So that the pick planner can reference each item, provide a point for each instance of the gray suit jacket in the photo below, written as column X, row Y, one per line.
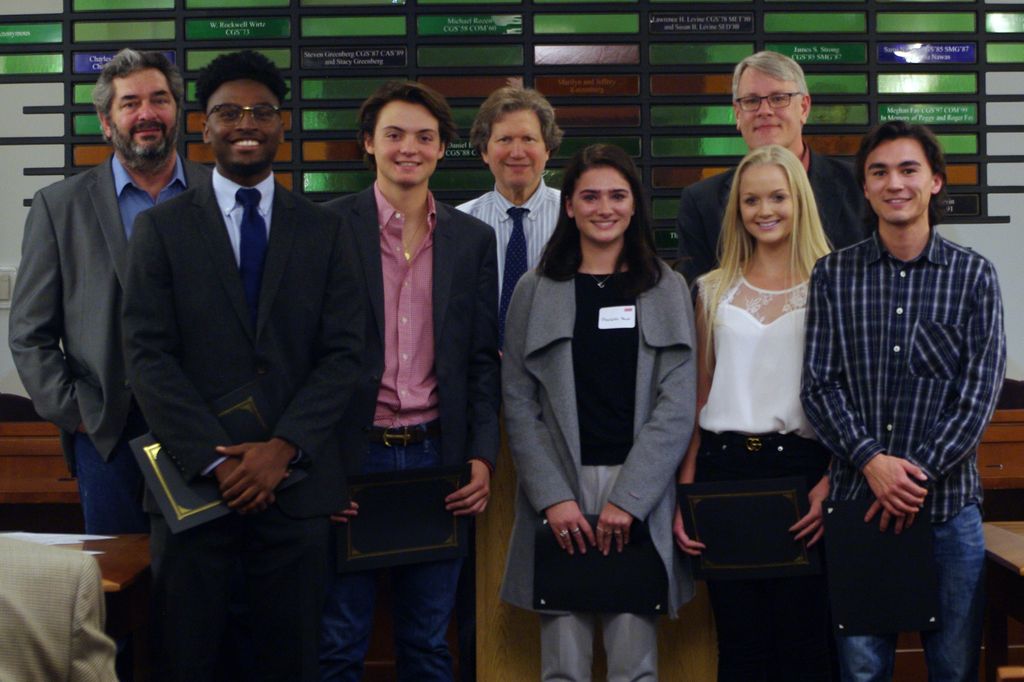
column 543, row 429
column 464, row 296
column 189, row 339
column 702, row 205
column 65, row 330
column 52, row 607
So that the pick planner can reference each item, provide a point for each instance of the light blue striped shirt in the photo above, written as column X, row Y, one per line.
column 538, row 224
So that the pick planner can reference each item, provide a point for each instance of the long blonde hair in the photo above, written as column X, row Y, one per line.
column 736, row 246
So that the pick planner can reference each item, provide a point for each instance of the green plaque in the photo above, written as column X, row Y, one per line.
column 229, row 4
column 336, row 182
column 116, row 5
column 340, row 88
column 123, row 31
column 958, row 113
column 822, row 53
column 1004, row 53
column 352, row 27
column 461, row 149
column 692, row 115
column 959, row 143
column 30, row 64
column 237, row 28
column 349, row 3
column 570, row 145
column 815, row 22
column 198, row 59
column 586, row 24
column 912, row 83
column 837, row 83
column 698, row 146
column 469, row 24
column 470, row 55
column 330, row 119
column 581, row 2
column 27, row 34
column 1004, row 22
column 925, row 22
column 699, row 53
column 666, row 240
column 81, row 93
column 462, row 180
column 469, row 2
column 665, row 208
column 838, row 114
column 464, row 116
column 87, row 124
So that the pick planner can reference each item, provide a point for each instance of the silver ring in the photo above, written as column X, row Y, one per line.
column 562, row 533
column 576, row 530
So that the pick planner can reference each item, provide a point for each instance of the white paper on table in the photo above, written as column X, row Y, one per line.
column 54, row 538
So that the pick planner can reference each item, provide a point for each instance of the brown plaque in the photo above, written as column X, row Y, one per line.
column 284, row 178
column 331, row 150
column 666, row 177
column 834, row 145
column 194, row 120
column 91, row 154
column 598, row 116
column 469, row 86
column 201, row 152
column 551, row 55
column 691, row 84
column 962, row 173
column 588, row 86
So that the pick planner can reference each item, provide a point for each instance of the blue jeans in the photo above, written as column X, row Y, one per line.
column 424, row 596
column 111, row 491
column 951, row 651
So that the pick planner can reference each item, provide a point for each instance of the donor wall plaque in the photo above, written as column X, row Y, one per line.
column 470, row 25
column 822, row 53
column 587, row 86
column 701, row 22
column 927, row 53
column 930, row 114
column 237, row 28
column 347, row 57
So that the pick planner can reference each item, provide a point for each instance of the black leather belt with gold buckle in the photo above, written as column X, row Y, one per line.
column 395, row 436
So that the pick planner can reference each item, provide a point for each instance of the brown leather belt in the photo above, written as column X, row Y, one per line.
column 404, row 435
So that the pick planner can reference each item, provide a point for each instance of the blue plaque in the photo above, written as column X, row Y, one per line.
column 927, row 53
column 93, row 62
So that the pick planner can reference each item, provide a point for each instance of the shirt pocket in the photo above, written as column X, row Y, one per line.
column 935, row 350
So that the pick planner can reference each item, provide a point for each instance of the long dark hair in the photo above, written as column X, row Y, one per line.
column 562, row 255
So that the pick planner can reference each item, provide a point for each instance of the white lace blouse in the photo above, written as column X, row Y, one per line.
column 759, row 353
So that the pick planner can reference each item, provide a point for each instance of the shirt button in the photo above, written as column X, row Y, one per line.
column 404, row 320
column 903, row 273
column 398, row 214
column 899, row 311
column 405, row 356
column 888, row 427
column 895, row 349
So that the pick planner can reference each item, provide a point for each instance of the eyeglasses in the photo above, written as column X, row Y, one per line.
column 776, row 100
column 231, row 114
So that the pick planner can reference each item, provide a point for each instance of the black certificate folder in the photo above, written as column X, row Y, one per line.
column 745, row 526
column 879, row 583
column 402, row 519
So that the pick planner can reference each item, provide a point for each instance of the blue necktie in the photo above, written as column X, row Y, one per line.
column 515, row 267
column 253, row 248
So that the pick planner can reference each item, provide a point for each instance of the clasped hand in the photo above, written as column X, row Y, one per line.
column 251, row 472
column 573, row 532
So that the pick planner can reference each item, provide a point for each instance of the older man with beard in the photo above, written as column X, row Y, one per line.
column 65, row 328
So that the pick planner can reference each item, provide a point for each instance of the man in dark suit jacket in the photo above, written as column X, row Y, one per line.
column 65, row 331
column 429, row 395
column 217, row 301
column 771, row 103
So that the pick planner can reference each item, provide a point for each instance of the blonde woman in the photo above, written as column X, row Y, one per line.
column 750, row 329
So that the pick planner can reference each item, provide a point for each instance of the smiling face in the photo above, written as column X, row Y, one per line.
column 899, row 184
column 782, row 126
column 245, row 149
column 516, row 155
column 602, row 204
column 766, row 204
column 142, row 124
column 405, row 146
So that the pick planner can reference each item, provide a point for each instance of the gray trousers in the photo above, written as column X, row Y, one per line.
column 630, row 641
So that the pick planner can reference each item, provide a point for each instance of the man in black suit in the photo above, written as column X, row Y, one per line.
column 771, row 103
column 240, row 282
column 430, row 389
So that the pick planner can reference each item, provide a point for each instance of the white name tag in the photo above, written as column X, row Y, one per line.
column 617, row 317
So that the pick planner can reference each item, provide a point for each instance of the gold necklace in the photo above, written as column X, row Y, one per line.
column 412, row 238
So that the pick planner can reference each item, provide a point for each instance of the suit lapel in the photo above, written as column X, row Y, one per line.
column 282, row 235
column 367, row 236
column 444, row 265
column 210, row 224
column 108, row 216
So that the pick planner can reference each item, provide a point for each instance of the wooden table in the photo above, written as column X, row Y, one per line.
column 1004, row 582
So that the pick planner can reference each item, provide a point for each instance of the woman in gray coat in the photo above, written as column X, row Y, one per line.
column 599, row 394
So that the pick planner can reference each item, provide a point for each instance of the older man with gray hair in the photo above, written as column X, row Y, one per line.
column 515, row 132
column 65, row 329
column 771, row 103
